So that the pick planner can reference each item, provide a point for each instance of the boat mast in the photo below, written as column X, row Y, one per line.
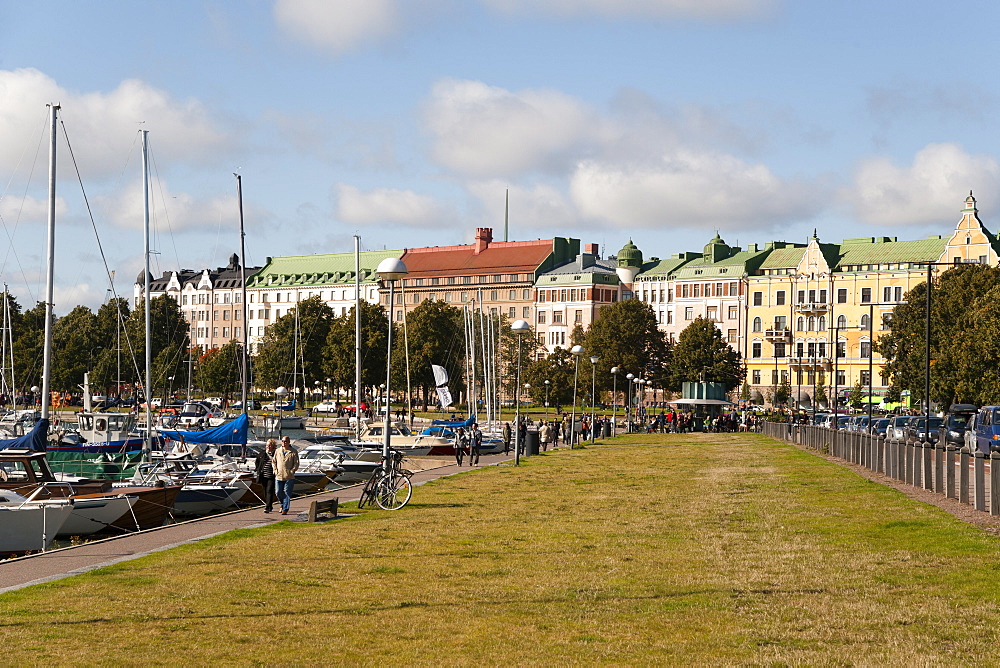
column 244, row 371
column 406, row 352
column 357, row 337
column 8, row 346
column 147, row 445
column 50, row 267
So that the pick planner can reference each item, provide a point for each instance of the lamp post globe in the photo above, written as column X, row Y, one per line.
column 519, row 328
column 577, row 352
column 389, row 270
column 279, row 398
column 547, row 383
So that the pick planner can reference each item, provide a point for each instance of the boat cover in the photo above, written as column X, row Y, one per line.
column 34, row 440
column 454, row 423
column 233, row 432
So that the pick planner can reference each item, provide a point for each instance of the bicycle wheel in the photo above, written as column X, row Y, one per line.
column 369, row 492
column 393, row 492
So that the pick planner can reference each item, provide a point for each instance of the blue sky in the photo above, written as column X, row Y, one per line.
column 662, row 121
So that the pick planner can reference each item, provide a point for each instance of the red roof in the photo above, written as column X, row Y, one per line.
column 512, row 257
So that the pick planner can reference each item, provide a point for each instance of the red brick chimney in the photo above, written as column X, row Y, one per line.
column 590, row 249
column 484, row 235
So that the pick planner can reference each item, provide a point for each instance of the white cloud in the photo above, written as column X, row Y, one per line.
column 484, row 130
column 929, row 190
column 169, row 211
column 337, row 25
column 28, row 210
column 67, row 297
column 636, row 9
column 687, row 188
column 386, row 205
column 103, row 125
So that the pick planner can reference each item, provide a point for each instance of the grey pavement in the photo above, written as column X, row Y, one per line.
column 64, row 562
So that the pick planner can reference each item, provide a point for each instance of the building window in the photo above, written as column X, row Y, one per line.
column 774, row 376
column 866, row 349
column 800, row 324
column 734, row 312
column 557, row 317
column 779, row 298
column 689, row 313
column 865, row 323
column 841, row 349
column 779, row 349
column 842, row 296
column 758, row 299
column 757, row 324
column 215, row 331
column 841, row 321
column 512, row 312
column 712, row 313
column 866, row 295
column 865, row 377
column 578, row 317
column 525, row 312
column 755, row 349
column 670, row 317
column 756, row 376
column 841, row 377
column 731, row 336
column 541, row 317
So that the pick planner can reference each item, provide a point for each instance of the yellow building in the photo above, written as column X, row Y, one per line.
column 803, row 299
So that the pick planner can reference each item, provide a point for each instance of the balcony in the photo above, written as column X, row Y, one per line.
column 813, row 307
column 809, row 362
column 778, row 334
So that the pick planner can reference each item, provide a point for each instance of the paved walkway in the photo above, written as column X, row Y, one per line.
column 64, row 562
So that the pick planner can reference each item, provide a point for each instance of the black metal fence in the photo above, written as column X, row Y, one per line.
column 956, row 473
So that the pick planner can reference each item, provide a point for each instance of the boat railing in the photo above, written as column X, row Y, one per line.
column 35, row 495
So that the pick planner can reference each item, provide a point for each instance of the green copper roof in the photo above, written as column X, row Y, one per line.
column 876, row 250
column 733, row 266
column 629, row 255
column 784, row 257
column 322, row 269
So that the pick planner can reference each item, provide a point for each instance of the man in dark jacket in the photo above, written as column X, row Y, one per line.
column 264, row 466
column 475, row 443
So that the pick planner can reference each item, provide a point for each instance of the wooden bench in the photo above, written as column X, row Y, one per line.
column 328, row 507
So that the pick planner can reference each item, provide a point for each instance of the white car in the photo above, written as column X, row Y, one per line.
column 325, row 407
column 214, row 401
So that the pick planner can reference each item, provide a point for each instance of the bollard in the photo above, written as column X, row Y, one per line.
column 978, row 480
column 994, row 484
column 939, row 468
column 907, row 461
column 880, row 454
column 963, row 475
column 918, row 458
column 949, row 467
column 928, row 466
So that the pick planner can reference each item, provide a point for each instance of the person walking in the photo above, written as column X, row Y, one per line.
column 475, row 443
column 264, row 468
column 460, row 441
column 506, row 438
column 286, row 463
column 544, row 435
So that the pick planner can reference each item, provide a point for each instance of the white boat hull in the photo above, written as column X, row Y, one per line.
column 33, row 526
column 92, row 515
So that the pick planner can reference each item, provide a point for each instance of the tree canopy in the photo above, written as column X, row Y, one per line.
column 701, row 354
column 627, row 336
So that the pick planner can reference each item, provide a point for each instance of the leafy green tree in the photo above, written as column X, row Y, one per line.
column 338, row 358
column 434, row 332
column 954, row 374
column 821, row 399
column 978, row 367
column 782, row 393
column 745, row 392
column 627, row 336
column 557, row 367
column 75, row 347
column 702, row 354
column 29, row 344
column 114, row 349
column 857, row 395
column 168, row 343
column 892, row 395
column 219, row 369
column 288, row 349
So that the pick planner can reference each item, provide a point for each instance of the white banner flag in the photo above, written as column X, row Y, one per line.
column 444, row 395
column 440, row 375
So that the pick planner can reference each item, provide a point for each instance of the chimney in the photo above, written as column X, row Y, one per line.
column 484, row 235
column 591, row 249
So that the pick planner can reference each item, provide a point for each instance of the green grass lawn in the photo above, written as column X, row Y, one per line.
column 678, row 549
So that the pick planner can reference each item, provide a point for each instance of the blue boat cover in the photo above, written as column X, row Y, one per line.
column 34, row 440
column 454, row 423
column 233, row 432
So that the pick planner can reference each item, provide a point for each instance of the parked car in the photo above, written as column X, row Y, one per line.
column 897, row 430
column 252, row 404
column 916, row 428
column 987, row 429
column 325, row 407
column 880, row 426
column 214, row 401
column 277, row 406
column 351, row 408
column 956, row 423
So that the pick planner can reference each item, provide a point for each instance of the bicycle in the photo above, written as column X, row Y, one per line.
column 389, row 487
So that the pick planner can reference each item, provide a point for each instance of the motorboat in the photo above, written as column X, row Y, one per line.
column 96, row 513
column 402, row 438
column 28, row 524
column 347, row 467
column 199, row 495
